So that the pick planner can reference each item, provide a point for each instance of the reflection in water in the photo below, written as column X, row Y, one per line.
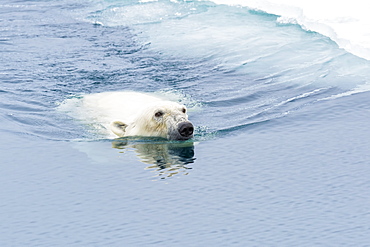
column 167, row 158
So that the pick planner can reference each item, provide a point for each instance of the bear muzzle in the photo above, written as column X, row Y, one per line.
column 186, row 130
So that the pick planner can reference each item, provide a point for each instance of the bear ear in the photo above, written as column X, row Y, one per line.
column 118, row 128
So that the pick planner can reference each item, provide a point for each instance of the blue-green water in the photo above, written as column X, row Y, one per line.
column 280, row 154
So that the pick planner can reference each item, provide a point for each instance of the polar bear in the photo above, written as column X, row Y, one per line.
column 140, row 114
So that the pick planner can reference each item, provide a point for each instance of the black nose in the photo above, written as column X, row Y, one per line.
column 185, row 129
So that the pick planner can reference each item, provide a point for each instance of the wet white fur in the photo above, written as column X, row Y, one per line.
column 136, row 112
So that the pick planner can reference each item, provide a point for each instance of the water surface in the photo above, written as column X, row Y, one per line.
column 280, row 154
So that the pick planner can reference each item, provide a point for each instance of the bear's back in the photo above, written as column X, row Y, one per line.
column 119, row 105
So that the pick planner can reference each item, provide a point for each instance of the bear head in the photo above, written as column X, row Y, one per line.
column 164, row 119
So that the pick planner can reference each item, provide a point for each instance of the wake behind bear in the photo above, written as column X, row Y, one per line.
column 140, row 114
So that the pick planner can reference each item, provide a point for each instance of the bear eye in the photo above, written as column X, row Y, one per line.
column 158, row 114
column 183, row 110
